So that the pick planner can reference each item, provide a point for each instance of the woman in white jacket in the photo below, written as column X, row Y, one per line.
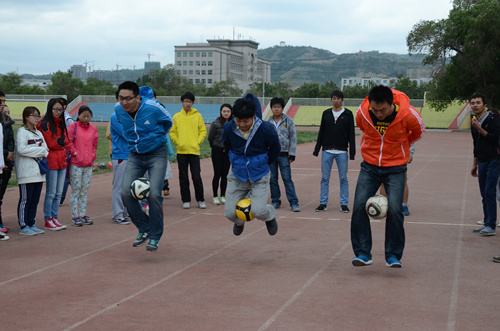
column 30, row 146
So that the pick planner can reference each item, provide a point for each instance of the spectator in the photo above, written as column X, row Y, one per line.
column 55, row 135
column 83, row 138
column 8, row 153
column 188, row 132
column 287, row 134
column 30, row 147
column 336, row 134
column 220, row 156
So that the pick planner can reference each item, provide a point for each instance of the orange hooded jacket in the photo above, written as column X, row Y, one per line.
column 392, row 148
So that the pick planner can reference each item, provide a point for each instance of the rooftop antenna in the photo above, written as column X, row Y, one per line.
column 233, row 32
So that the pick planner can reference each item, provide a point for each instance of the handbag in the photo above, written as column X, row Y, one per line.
column 43, row 164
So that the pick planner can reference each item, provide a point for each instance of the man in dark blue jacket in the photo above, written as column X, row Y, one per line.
column 145, row 123
column 253, row 145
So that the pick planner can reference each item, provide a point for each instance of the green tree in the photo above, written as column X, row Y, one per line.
column 166, row 81
column 357, row 91
column 325, row 90
column 464, row 49
column 63, row 84
column 96, row 86
column 307, row 90
column 278, row 89
column 227, row 88
column 12, row 83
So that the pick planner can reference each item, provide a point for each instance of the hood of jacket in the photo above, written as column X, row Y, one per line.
column 146, row 92
column 258, row 109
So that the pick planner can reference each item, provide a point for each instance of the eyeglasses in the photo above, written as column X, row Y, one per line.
column 58, row 109
column 126, row 99
column 35, row 116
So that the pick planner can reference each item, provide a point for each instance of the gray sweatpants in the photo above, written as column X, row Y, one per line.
column 257, row 191
column 119, row 210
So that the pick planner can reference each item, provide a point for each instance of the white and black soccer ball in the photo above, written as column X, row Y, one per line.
column 140, row 188
column 377, row 206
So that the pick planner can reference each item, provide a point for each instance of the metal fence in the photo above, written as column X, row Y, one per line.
column 32, row 97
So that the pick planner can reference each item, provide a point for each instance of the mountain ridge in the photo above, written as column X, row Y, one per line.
column 297, row 65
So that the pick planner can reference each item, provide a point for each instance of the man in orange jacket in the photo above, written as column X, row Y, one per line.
column 390, row 126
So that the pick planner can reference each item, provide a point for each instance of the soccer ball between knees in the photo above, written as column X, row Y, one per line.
column 243, row 210
column 377, row 206
column 140, row 188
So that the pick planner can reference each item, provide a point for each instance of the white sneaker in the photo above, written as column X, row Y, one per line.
column 481, row 222
column 3, row 236
column 216, row 201
column 186, row 205
column 223, row 201
column 202, row 204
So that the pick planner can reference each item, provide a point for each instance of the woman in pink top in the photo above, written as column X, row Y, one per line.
column 83, row 138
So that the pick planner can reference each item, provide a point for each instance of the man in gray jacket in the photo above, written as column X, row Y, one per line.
column 287, row 134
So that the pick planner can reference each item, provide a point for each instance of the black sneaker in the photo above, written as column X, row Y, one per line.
column 237, row 230
column 152, row 245
column 344, row 209
column 141, row 239
column 272, row 227
column 321, row 207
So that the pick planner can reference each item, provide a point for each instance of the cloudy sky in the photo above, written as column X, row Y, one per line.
column 44, row 36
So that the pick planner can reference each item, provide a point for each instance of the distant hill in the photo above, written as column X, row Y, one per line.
column 296, row 65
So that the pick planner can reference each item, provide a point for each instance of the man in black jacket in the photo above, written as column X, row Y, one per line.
column 8, row 152
column 336, row 133
column 485, row 129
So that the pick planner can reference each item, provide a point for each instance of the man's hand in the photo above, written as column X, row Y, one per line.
column 473, row 171
column 475, row 123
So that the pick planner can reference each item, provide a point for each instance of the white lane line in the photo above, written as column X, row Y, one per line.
column 79, row 256
column 151, row 286
column 62, row 262
column 455, row 285
column 304, row 287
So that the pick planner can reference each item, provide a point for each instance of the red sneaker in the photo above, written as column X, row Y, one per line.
column 59, row 225
column 49, row 225
column 3, row 228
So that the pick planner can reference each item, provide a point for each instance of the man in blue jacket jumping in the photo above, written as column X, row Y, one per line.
column 145, row 123
column 253, row 145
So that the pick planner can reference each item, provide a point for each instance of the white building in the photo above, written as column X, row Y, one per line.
column 366, row 81
column 220, row 59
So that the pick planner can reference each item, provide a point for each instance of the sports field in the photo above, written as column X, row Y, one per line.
column 204, row 278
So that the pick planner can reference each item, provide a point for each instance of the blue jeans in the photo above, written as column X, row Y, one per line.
column 286, row 174
column 155, row 163
column 369, row 180
column 53, row 191
column 326, row 169
column 487, row 173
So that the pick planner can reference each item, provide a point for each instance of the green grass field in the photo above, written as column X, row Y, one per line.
column 205, row 150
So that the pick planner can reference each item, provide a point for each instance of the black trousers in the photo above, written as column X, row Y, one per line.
column 221, row 164
column 184, row 162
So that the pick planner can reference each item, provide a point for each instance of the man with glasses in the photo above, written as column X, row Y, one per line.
column 8, row 152
column 145, row 123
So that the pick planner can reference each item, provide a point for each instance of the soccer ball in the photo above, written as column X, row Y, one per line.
column 376, row 206
column 243, row 210
column 140, row 188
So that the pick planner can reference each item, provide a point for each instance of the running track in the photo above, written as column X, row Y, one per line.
column 204, row 278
